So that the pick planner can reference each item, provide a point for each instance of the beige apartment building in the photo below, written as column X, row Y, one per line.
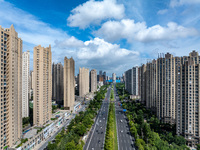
column 83, row 81
column 93, row 80
column 188, row 99
column 151, row 88
column 133, row 81
column 69, row 83
column 166, row 88
column 42, row 88
column 114, row 77
column 11, row 87
column 170, row 86
column 25, row 84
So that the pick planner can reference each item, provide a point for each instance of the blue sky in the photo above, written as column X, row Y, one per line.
column 109, row 35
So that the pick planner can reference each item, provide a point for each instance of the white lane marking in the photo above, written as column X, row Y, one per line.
column 95, row 126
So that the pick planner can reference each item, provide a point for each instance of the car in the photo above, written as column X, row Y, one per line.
column 121, row 131
column 121, row 120
column 103, row 118
column 99, row 120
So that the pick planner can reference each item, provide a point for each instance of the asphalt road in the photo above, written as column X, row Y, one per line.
column 96, row 138
column 125, row 140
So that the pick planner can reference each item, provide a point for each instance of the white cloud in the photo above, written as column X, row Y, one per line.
column 131, row 31
column 162, row 12
column 100, row 54
column 93, row 12
column 29, row 28
column 71, row 42
column 175, row 3
column 98, row 48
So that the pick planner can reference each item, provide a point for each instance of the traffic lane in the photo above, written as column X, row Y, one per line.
column 98, row 137
column 125, row 139
column 95, row 137
column 101, row 127
column 94, row 128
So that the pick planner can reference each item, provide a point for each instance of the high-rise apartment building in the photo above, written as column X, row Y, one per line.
column 142, row 83
column 151, row 87
column 170, row 87
column 11, row 87
column 25, row 83
column 188, row 99
column 114, row 77
column 93, row 80
column 83, row 81
column 129, row 80
column 42, row 90
column 57, row 83
column 104, row 77
column 166, row 88
column 132, row 84
column 69, row 83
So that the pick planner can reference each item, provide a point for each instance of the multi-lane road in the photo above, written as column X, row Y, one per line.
column 125, row 140
column 96, row 137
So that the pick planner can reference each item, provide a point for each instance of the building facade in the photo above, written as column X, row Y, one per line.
column 83, row 81
column 114, row 77
column 11, row 87
column 170, row 88
column 69, row 83
column 132, row 78
column 25, row 84
column 188, row 99
column 142, row 83
column 57, row 83
column 42, row 90
column 93, row 80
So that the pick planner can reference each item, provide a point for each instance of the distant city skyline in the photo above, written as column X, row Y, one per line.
column 139, row 30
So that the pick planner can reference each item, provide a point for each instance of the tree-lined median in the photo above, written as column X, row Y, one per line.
column 111, row 130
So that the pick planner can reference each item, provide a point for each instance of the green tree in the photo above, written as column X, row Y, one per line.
column 179, row 140
column 140, row 144
column 51, row 146
column 70, row 145
column 25, row 120
column 80, row 129
column 198, row 146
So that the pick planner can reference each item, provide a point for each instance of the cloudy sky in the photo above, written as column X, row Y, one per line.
column 108, row 35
